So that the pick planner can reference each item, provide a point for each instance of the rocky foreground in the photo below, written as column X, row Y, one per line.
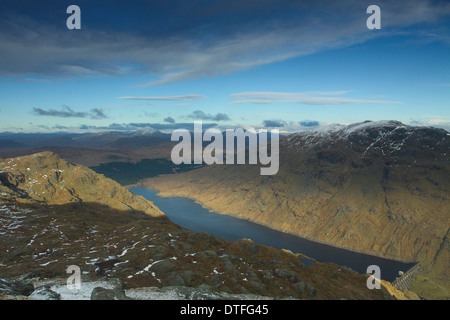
column 29, row 288
column 55, row 214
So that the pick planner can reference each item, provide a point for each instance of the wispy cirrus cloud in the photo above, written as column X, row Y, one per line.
column 311, row 98
column 68, row 112
column 214, row 38
column 186, row 97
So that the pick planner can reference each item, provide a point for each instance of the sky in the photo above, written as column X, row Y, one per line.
column 292, row 65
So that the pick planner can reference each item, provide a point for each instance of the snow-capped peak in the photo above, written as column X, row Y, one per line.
column 346, row 130
column 372, row 124
column 147, row 131
column 331, row 134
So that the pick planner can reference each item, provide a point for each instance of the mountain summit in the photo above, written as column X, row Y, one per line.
column 47, row 178
column 385, row 138
column 147, row 131
column 143, row 138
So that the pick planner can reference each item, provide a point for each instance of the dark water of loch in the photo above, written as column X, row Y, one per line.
column 190, row 215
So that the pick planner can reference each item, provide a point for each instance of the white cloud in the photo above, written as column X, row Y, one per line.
column 182, row 56
column 187, row 97
column 434, row 122
column 311, row 98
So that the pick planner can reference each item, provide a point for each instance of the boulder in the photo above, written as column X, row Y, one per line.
column 15, row 287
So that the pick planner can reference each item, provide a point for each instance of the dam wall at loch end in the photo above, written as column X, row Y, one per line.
column 404, row 281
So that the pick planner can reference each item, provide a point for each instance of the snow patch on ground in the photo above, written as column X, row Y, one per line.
column 152, row 293
column 84, row 293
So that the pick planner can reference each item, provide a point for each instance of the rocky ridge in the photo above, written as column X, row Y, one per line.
column 47, row 178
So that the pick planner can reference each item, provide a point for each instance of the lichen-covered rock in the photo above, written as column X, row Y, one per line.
column 100, row 293
column 15, row 287
column 45, row 293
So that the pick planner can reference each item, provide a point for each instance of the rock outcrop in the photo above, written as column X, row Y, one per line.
column 47, row 178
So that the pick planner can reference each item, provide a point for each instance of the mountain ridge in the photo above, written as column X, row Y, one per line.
column 377, row 187
column 47, row 178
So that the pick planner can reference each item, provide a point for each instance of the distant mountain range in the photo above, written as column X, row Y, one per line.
column 379, row 187
column 145, row 138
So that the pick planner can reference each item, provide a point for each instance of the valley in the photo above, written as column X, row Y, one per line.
column 379, row 188
column 225, row 150
column 55, row 214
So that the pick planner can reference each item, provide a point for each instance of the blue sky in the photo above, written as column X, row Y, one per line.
column 290, row 64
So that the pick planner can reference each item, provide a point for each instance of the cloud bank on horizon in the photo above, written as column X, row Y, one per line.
column 313, row 98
